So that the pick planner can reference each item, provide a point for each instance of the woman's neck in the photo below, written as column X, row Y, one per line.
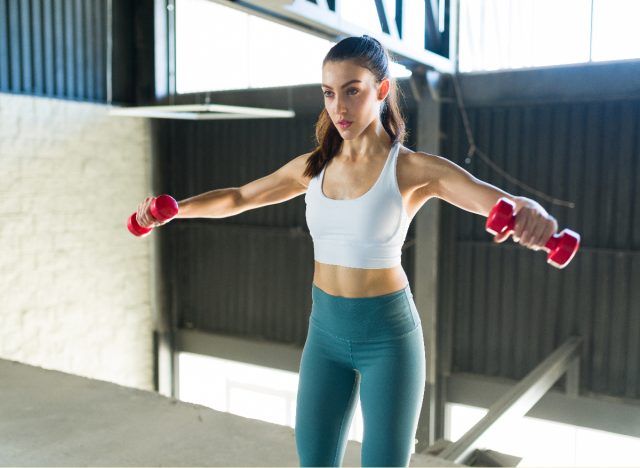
column 373, row 140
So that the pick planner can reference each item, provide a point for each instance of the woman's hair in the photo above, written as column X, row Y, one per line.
column 366, row 52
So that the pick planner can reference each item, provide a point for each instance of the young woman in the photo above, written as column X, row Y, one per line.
column 362, row 189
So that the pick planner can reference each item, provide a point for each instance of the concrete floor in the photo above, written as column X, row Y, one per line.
column 49, row 418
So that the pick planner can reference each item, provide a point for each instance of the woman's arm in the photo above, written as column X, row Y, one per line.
column 452, row 183
column 285, row 183
column 277, row 187
column 218, row 203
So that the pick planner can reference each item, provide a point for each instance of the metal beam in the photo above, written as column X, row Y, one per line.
column 601, row 412
column 557, row 84
column 518, row 401
column 399, row 9
column 164, row 37
column 382, row 16
column 432, row 37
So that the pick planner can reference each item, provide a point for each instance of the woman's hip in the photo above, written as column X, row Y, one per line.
column 365, row 319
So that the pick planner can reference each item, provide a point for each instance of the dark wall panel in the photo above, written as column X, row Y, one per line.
column 54, row 48
column 243, row 280
column 87, row 50
column 507, row 308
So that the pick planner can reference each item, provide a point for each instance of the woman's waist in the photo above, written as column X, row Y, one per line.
column 344, row 281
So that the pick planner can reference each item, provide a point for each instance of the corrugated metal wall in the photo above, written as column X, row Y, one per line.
column 55, row 48
column 248, row 275
column 503, row 308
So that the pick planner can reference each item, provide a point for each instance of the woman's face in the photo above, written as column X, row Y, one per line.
column 351, row 94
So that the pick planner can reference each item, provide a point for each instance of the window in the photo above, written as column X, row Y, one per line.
column 503, row 34
column 219, row 47
column 616, row 35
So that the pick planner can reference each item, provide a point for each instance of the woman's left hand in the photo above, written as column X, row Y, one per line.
column 533, row 225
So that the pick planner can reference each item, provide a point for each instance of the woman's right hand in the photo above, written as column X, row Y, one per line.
column 143, row 215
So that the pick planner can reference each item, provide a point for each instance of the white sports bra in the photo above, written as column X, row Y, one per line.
column 363, row 232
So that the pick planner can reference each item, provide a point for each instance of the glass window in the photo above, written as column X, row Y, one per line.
column 413, row 30
column 616, row 35
column 219, row 47
column 498, row 34
column 503, row 34
column 362, row 13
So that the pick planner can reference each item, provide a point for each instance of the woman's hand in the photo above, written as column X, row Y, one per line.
column 533, row 226
column 143, row 215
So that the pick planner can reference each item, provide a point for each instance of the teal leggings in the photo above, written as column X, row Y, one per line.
column 368, row 345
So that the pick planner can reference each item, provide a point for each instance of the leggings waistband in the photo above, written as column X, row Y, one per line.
column 385, row 316
column 316, row 291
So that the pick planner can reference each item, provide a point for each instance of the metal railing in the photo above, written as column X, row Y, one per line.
column 519, row 400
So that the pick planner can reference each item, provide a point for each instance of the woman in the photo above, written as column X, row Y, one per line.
column 362, row 189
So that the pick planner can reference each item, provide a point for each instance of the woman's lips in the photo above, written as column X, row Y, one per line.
column 344, row 124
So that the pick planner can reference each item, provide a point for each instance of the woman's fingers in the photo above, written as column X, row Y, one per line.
column 145, row 218
column 143, row 215
column 537, row 232
column 140, row 214
column 533, row 227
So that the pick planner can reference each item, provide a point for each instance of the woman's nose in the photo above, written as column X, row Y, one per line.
column 340, row 106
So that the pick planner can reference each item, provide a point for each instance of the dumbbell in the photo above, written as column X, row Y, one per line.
column 561, row 247
column 162, row 208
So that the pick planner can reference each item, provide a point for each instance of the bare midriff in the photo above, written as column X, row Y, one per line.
column 358, row 282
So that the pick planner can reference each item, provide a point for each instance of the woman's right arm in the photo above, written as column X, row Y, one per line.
column 285, row 183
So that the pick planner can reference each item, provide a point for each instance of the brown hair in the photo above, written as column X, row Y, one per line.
column 371, row 54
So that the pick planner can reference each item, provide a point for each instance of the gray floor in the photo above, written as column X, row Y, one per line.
column 49, row 418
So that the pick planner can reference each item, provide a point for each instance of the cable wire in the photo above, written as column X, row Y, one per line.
column 473, row 149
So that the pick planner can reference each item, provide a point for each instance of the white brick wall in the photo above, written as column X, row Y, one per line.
column 74, row 283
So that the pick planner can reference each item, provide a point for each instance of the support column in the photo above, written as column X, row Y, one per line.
column 427, row 222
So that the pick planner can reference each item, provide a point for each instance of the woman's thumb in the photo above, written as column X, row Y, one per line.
column 502, row 237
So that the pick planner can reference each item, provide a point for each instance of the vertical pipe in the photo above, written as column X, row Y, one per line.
column 109, row 60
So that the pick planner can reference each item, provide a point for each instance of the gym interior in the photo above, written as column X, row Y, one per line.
column 182, row 347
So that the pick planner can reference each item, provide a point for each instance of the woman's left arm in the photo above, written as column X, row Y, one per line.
column 452, row 183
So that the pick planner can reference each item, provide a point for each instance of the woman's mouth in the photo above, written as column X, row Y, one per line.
column 344, row 124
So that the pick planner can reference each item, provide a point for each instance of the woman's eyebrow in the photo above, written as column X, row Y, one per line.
column 344, row 85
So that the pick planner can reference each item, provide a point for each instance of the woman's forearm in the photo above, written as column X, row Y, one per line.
column 219, row 203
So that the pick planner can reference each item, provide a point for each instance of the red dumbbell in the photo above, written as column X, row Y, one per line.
column 560, row 247
column 162, row 208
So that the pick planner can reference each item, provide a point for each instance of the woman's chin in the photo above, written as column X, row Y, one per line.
column 347, row 134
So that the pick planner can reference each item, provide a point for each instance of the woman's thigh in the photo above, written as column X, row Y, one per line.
column 326, row 401
column 392, row 385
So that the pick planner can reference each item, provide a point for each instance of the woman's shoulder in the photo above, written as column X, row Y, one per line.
column 416, row 157
column 420, row 159
column 296, row 167
column 417, row 168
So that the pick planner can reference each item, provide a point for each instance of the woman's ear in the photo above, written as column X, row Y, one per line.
column 383, row 89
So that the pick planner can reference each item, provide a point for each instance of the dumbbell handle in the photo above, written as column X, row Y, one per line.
column 162, row 208
column 561, row 247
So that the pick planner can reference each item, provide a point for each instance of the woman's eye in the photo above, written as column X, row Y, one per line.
column 328, row 93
